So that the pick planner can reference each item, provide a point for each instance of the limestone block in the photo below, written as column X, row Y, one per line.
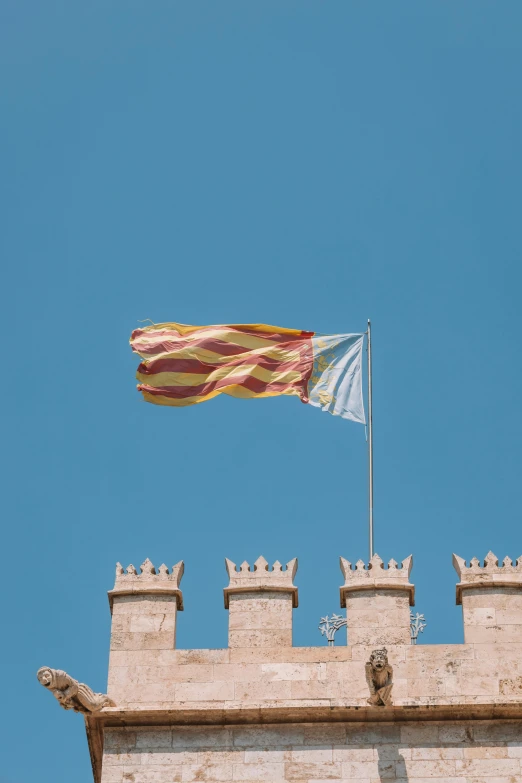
column 324, row 734
column 420, row 688
column 260, row 638
column 500, row 731
column 264, row 620
column 373, row 734
column 376, row 636
column 426, row 768
column 445, row 654
column 316, row 689
column 317, row 755
column 202, row 656
column 487, row 767
column 239, row 672
column 153, row 640
column 492, row 634
column 265, row 756
column 294, row 654
column 259, row 772
column 511, row 686
column 486, row 752
column 160, row 737
column 293, row 671
column 361, row 770
column 114, row 759
column 173, row 756
column 171, row 674
column 112, row 774
column 357, row 754
column 204, row 691
column 455, row 734
column 316, row 771
column 202, row 737
column 120, row 740
column 396, row 653
column 207, row 772
column 155, row 773
column 268, row 736
column 419, row 734
column 257, row 691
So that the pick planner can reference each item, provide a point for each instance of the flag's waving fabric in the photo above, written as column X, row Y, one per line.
column 183, row 365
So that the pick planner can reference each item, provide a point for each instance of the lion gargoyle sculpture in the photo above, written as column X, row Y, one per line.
column 71, row 694
column 379, row 676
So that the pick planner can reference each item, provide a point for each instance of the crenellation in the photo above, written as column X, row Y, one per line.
column 376, row 575
column 490, row 571
column 260, row 603
column 491, row 597
column 144, row 609
column 264, row 710
column 261, row 578
column 377, row 601
column 148, row 581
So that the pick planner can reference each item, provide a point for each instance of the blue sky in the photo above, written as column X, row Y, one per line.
column 299, row 163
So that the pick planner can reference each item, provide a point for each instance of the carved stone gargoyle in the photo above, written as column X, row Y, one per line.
column 379, row 676
column 71, row 694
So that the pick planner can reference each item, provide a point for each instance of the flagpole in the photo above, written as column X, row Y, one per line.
column 370, row 438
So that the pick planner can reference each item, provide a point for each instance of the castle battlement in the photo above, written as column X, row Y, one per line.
column 377, row 708
column 148, row 581
column 491, row 598
column 375, row 575
column 261, row 579
column 260, row 603
column 490, row 572
column 377, row 600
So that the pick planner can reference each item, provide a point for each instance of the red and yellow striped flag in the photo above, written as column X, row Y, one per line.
column 183, row 365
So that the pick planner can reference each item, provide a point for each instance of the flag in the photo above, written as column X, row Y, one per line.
column 184, row 365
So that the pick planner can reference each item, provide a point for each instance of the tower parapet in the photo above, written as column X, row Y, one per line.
column 491, row 598
column 377, row 601
column 144, row 606
column 397, row 711
column 260, row 603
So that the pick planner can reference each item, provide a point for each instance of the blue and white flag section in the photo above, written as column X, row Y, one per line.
column 336, row 381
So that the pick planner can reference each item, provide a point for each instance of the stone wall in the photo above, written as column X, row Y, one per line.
column 263, row 710
column 260, row 620
column 235, row 678
column 449, row 752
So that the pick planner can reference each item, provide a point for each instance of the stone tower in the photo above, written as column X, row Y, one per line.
column 263, row 710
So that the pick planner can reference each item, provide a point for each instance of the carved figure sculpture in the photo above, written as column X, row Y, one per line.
column 71, row 694
column 379, row 676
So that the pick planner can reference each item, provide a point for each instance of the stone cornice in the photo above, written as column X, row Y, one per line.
column 311, row 711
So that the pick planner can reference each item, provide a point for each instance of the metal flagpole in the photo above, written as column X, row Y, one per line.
column 370, row 436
